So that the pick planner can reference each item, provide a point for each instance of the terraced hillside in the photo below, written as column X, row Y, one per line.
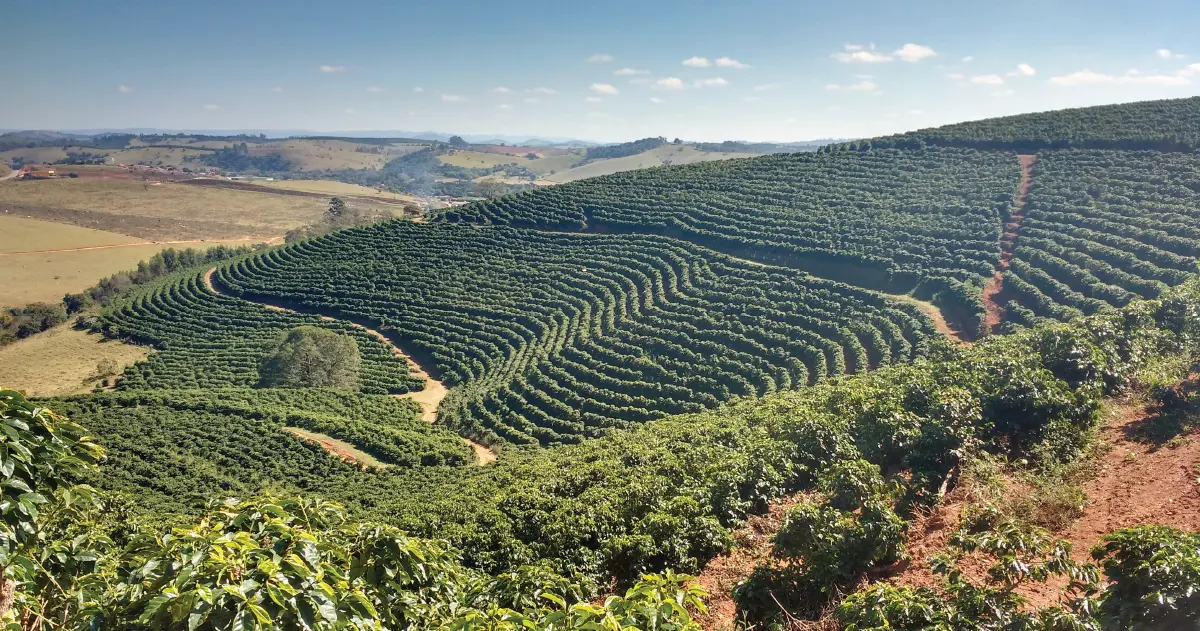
column 205, row 340
column 882, row 219
column 1170, row 125
column 1102, row 228
column 550, row 338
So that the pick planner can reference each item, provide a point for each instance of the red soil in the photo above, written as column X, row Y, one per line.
column 995, row 312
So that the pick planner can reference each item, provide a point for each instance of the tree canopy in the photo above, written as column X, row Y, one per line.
column 312, row 357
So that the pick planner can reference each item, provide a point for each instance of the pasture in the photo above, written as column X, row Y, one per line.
column 62, row 361
column 161, row 211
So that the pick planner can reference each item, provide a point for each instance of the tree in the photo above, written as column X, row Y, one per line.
column 312, row 357
column 336, row 210
column 490, row 188
column 457, row 141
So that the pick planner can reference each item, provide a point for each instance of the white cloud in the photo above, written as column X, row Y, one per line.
column 418, row 89
column 861, row 86
column 542, row 91
column 600, row 58
column 212, row 107
column 277, row 89
column 351, row 111
column 1088, row 77
column 328, row 68
column 915, row 112
column 124, row 89
column 856, row 53
column 503, row 106
column 668, row 83
column 454, row 98
column 1024, row 70
column 767, row 86
column 714, row 82
column 655, row 99
column 987, row 79
column 501, row 90
column 604, row 88
column 1168, row 54
column 629, row 72
column 913, row 53
column 375, row 89
column 955, row 76
column 968, row 59
column 641, row 80
column 726, row 62
column 697, row 62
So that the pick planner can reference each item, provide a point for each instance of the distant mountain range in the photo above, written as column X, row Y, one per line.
column 479, row 139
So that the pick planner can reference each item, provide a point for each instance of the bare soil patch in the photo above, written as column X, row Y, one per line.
column 1008, row 241
column 339, row 448
column 428, row 398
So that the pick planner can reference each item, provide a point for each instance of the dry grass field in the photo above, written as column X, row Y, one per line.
column 21, row 234
column 331, row 188
column 666, row 154
column 48, row 276
column 160, row 212
column 62, row 361
column 318, row 155
column 482, row 160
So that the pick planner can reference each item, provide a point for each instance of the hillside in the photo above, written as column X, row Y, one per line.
column 846, row 337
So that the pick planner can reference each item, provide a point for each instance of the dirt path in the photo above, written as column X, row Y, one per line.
column 141, row 243
column 1008, row 241
column 1136, row 482
column 428, row 398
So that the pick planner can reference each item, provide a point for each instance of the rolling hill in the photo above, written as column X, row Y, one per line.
column 660, row 354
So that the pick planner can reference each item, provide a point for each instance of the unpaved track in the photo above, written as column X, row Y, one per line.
column 428, row 398
column 995, row 313
column 142, row 243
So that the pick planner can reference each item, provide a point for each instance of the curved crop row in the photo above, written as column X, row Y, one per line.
column 551, row 337
column 1102, row 228
column 205, row 340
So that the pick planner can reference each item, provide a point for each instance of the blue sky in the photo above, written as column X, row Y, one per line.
column 613, row 70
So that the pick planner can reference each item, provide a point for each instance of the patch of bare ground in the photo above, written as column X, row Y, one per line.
column 1135, row 482
column 339, row 448
column 1008, row 241
column 428, row 398
column 752, row 547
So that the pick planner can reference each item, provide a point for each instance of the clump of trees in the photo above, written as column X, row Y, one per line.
column 338, row 216
column 311, row 357
column 18, row 323
column 238, row 158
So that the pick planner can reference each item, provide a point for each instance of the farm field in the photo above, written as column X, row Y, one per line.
column 320, row 155
column 167, row 211
column 48, row 276
column 21, row 234
column 844, row 341
column 666, row 154
column 332, row 188
column 62, row 361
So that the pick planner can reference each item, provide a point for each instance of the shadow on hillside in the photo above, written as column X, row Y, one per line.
column 1173, row 412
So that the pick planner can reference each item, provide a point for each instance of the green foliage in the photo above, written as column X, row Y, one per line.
column 42, row 457
column 551, row 338
column 311, row 357
column 1018, row 555
column 1161, row 125
column 1155, row 574
column 206, row 340
column 174, row 449
column 879, row 219
column 624, row 149
column 21, row 322
column 827, row 542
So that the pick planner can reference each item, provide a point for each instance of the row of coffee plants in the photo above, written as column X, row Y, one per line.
column 549, row 338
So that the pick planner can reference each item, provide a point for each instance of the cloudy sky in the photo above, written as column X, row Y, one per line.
column 613, row 70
